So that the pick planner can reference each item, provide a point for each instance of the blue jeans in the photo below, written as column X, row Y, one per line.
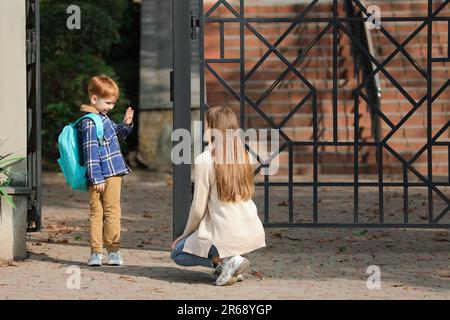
column 189, row 260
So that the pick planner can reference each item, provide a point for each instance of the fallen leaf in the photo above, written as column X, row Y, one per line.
column 129, row 279
column 159, row 290
column 440, row 239
column 351, row 239
column 277, row 235
column 283, row 203
column 293, row 239
column 4, row 264
column 59, row 229
column 326, row 240
column 443, row 274
column 257, row 274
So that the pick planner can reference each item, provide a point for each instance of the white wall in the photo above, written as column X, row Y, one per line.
column 13, row 120
column 13, row 100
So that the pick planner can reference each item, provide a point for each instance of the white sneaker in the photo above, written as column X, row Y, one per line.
column 114, row 259
column 95, row 260
column 218, row 270
column 232, row 267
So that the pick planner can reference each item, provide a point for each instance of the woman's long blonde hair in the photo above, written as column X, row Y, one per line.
column 234, row 178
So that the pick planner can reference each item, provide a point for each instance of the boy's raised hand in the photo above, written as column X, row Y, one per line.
column 128, row 118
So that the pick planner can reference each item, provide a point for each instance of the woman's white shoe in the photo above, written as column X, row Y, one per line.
column 232, row 267
column 218, row 270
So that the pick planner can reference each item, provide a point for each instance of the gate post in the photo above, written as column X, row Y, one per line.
column 181, row 87
column 19, row 105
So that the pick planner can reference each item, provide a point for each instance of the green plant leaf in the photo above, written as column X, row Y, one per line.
column 8, row 178
column 7, row 197
column 8, row 162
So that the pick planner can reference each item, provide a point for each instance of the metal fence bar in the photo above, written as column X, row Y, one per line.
column 326, row 20
column 266, row 199
column 360, row 225
column 34, row 143
column 405, row 196
column 356, row 161
column 202, row 66
column 291, row 180
column 242, row 62
column 350, row 184
column 335, row 71
column 315, row 161
column 222, row 40
column 429, row 109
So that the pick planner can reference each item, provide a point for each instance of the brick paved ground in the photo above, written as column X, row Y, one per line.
column 297, row 263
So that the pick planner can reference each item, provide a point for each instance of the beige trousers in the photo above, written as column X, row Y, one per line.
column 105, row 216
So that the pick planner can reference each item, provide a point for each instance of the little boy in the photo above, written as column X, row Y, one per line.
column 105, row 167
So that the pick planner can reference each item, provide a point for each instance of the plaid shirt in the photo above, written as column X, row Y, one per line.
column 106, row 160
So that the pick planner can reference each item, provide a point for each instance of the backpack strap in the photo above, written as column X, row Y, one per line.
column 98, row 124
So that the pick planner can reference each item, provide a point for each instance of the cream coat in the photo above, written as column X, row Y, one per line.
column 234, row 228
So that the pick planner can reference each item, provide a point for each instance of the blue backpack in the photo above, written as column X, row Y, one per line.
column 69, row 152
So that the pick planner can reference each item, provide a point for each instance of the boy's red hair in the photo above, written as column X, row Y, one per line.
column 103, row 87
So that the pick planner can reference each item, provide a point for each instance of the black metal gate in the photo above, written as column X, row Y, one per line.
column 33, row 188
column 190, row 25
